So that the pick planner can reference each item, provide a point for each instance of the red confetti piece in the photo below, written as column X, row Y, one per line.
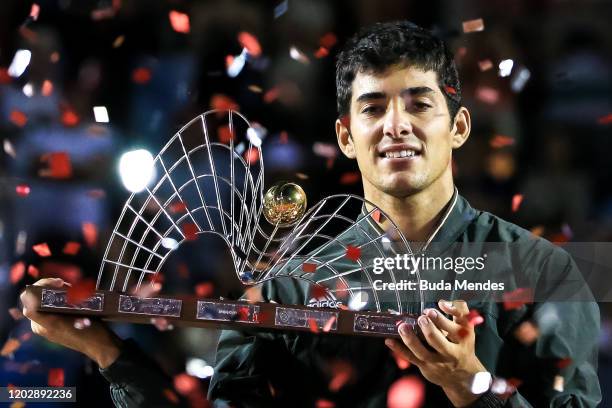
column 71, row 248
column 10, row 346
column 271, row 95
column 251, row 155
column 450, row 90
column 190, row 230
column 563, row 363
column 171, row 396
column 80, row 291
column 42, row 249
column 353, row 253
column 517, row 199
column 242, row 313
column 341, row 289
column 55, row 377
column 5, row 78
column 485, row 65
column 605, row 120
column 249, row 41
column 322, row 52
column 312, row 325
column 70, row 118
column 328, row 40
column 471, row 26
column 407, row 392
column 309, row 267
column 33, row 271
column 186, row 384
column 96, row 193
column 161, row 324
column 499, row 141
column 179, row 21
column 224, row 134
column 487, row 94
column 204, row 289
column 34, row 11
column 22, row 190
column 559, row 238
column 517, row 298
column 90, row 233
column 351, row 177
column 401, row 362
column 58, row 165
column 141, row 75
column 47, row 88
column 17, row 272
column 474, row 317
column 178, row 207
column 342, row 373
column 326, row 150
column 318, row 291
column 329, row 324
column 223, row 102
column 283, row 137
column 377, row 215
column 18, row 118
column 323, row 403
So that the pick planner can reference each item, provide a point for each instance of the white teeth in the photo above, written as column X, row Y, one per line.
column 401, row 153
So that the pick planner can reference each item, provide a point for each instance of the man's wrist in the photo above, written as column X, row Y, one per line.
column 105, row 351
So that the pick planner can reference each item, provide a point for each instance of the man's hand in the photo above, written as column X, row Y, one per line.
column 97, row 341
column 453, row 364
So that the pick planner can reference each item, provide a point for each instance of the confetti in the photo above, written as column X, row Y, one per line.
column 605, row 120
column 5, row 78
column 17, row 272
column 100, row 114
column 34, row 11
column 82, row 323
column 563, row 363
column 42, row 249
column 485, row 65
column 500, row 141
column 322, row 52
column 505, row 67
column 70, row 118
column 204, row 289
column 8, row 148
column 318, row 291
column 185, row 384
column 178, row 207
column 58, row 165
column 22, row 190
column 329, row 324
column 326, row 150
column 71, row 248
column 407, row 392
column 20, row 62
column 487, row 94
column 18, row 118
column 250, row 42
column 309, row 267
column 517, row 298
column 450, row 90
column 28, row 90
column 353, row 253
column 47, row 88
column 377, row 215
column 171, row 396
column 223, row 102
column 312, row 325
column 169, row 243
column 474, row 317
column 281, row 8
column 341, row 373
column 234, row 65
column 90, row 233
column 475, row 25
column 302, row 176
column 190, row 230
column 10, row 346
column 179, row 21
column 520, row 79
column 481, row 382
column 517, row 199
column 54, row 57
column 323, row 403
column 55, row 377
column 141, row 75
column 558, row 383
column 80, row 291
column 298, row 55
column 401, row 362
column 252, row 155
column 118, row 42
column 328, row 40
column 161, row 324
column 350, row 177
column 283, row 138
column 271, row 95
column 33, row 271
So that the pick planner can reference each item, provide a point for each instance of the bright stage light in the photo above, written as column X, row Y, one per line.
column 136, row 169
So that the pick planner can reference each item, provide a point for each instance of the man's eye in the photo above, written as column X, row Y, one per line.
column 371, row 109
column 421, row 106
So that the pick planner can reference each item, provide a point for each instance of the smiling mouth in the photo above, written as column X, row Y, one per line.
column 400, row 154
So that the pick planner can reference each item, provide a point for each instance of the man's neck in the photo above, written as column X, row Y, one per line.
column 418, row 214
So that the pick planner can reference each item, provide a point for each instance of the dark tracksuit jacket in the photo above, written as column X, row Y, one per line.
column 290, row 369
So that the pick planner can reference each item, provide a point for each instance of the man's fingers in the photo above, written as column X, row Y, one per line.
column 413, row 343
column 398, row 347
column 456, row 308
column 434, row 336
column 441, row 321
column 55, row 282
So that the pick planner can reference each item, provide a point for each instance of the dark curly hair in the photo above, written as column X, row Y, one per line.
column 375, row 48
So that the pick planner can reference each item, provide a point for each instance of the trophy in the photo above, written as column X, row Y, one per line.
column 209, row 179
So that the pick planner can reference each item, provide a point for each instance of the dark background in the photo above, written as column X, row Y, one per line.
column 548, row 142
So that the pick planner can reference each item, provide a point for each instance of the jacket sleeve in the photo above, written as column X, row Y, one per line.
column 137, row 381
column 560, row 368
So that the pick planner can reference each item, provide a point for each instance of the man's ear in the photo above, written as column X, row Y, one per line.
column 345, row 140
column 461, row 127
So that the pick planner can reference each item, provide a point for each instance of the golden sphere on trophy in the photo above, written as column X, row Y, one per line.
column 284, row 204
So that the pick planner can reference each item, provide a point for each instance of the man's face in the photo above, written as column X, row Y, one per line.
column 401, row 133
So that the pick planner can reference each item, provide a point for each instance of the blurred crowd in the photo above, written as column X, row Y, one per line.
column 82, row 82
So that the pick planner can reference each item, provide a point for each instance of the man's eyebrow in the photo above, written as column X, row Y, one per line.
column 417, row 90
column 371, row 95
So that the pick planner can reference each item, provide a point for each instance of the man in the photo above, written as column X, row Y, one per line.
column 400, row 118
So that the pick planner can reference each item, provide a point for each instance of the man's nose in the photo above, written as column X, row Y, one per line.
column 397, row 123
